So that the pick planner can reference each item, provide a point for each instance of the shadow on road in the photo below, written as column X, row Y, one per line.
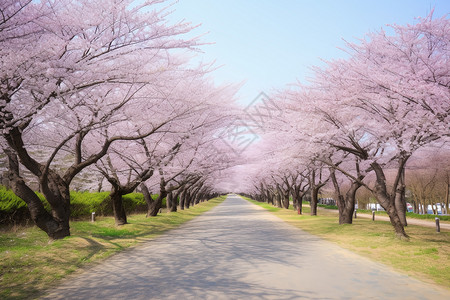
column 235, row 251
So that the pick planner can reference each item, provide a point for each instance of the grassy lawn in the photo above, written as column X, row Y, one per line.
column 426, row 256
column 29, row 264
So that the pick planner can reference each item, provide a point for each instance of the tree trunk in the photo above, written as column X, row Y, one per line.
column 346, row 204
column 169, row 200
column 120, row 215
column 400, row 202
column 298, row 192
column 433, row 209
column 194, row 198
column 278, row 199
column 423, row 208
column 56, row 225
column 269, row 197
column 148, row 199
column 416, row 206
column 392, row 213
column 174, row 203
column 298, row 202
column 314, row 200
column 286, row 200
column 447, row 194
column 100, row 185
column 182, row 199
column 154, row 208
column 187, row 199
column 387, row 201
column 198, row 198
column 350, row 198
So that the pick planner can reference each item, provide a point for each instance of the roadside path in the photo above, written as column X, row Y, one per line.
column 240, row 251
column 411, row 221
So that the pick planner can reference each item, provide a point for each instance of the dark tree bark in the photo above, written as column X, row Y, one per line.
column 169, row 200
column 314, row 200
column 278, row 199
column 56, row 227
column 182, row 198
column 299, row 200
column 120, row 215
column 100, row 186
column 197, row 190
column 154, row 208
column 415, row 205
column 387, row 200
column 147, row 194
column 400, row 202
column 345, row 203
column 119, row 189
column 286, row 199
column 315, row 188
column 269, row 197
column 198, row 198
column 174, row 203
column 187, row 198
column 447, row 191
column 298, row 192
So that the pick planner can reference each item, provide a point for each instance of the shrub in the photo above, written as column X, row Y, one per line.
column 82, row 204
column 12, row 208
column 328, row 206
column 134, row 202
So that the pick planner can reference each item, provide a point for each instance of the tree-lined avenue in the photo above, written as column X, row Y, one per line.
column 240, row 251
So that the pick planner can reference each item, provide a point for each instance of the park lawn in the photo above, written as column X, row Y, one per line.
column 30, row 264
column 426, row 256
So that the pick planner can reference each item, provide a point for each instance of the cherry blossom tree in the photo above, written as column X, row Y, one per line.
column 371, row 112
column 387, row 100
column 70, row 69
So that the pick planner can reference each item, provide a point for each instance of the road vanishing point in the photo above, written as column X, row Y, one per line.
column 238, row 250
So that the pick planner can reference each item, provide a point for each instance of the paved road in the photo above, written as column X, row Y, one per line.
column 240, row 251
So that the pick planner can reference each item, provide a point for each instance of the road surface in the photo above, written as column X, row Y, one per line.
column 240, row 251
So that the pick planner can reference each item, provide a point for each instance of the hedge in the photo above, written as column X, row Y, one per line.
column 82, row 204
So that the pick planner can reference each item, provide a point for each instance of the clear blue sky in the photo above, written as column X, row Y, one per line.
column 270, row 43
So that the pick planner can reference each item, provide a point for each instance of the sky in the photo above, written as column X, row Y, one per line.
column 268, row 44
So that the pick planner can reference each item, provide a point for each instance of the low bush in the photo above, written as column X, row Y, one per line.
column 328, row 206
column 13, row 210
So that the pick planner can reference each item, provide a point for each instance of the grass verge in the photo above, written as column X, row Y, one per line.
column 29, row 264
column 426, row 256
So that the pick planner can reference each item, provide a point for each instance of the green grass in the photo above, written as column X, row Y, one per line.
column 29, row 264
column 328, row 206
column 425, row 256
column 408, row 214
column 13, row 210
